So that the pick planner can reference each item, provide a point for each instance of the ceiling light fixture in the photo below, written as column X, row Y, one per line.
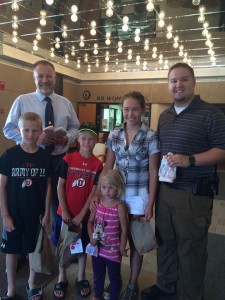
column 205, row 30
column 86, row 57
column 64, row 33
column 125, row 23
column 15, row 5
column 202, row 9
column 74, row 18
column 138, row 58
column 161, row 22
column 38, row 35
column 129, row 56
column 154, row 50
column 181, row 52
column 145, row 67
column 107, row 56
column 95, row 51
column 14, row 23
column 201, row 17
column 169, row 34
column 66, row 58
column 109, row 11
column 106, row 68
column 120, row 49
column 52, row 53
column 137, row 35
column 78, row 64
column 212, row 58
column 211, row 51
column 166, row 67
column 35, row 45
column 81, row 44
column 160, row 59
column 196, row 2
column 209, row 43
column 42, row 17
column 93, row 29
column 14, row 38
column 175, row 44
column 146, row 44
column 49, row 2
column 97, row 63
column 73, row 51
column 107, row 41
column 106, row 35
column 150, row 6
column 74, row 10
column 185, row 59
column 57, row 42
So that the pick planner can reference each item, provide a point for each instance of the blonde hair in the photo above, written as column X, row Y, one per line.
column 30, row 116
column 114, row 178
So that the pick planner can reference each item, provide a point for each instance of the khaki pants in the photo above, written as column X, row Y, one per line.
column 182, row 222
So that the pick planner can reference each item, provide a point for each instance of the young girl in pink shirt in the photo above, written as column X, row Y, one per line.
column 108, row 230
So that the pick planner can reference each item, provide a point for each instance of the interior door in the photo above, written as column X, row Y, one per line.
column 87, row 112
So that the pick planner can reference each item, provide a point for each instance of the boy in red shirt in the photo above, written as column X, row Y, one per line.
column 78, row 177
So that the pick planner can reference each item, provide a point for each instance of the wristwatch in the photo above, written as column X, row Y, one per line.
column 191, row 160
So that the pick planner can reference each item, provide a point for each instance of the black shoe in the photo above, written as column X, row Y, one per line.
column 155, row 293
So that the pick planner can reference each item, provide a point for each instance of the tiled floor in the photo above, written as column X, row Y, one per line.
column 147, row 277
column 148, row 274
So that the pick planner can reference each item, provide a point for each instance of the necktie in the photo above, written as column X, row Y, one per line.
column 49, row 119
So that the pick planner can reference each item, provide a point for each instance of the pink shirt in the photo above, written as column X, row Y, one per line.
column 107, row 227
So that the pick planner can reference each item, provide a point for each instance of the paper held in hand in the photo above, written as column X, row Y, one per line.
column 51, row 131
column 166, row 173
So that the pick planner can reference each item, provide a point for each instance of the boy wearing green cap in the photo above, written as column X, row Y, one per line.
column 78, row 177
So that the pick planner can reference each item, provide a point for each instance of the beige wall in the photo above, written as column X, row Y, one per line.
column 17, row 81
column 20, row 80
column 155, row 92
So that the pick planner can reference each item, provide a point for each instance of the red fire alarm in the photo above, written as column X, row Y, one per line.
column 2, row 110
column 2, row 85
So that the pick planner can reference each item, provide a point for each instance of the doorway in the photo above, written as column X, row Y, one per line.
column 105, row 115
column 87, row 112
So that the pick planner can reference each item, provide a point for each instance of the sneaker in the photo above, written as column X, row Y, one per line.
column 130, row 293
column 154, row 293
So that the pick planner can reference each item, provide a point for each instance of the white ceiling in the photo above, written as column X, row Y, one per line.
column 181, row 14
